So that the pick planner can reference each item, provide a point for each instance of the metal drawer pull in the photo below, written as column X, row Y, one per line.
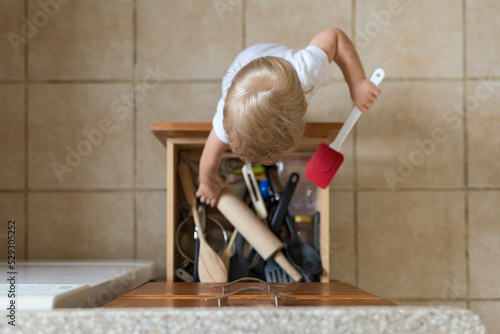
column 270, row 287
column 278, row 300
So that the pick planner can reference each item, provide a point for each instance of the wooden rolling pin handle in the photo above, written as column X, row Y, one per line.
column 188, row 187
column 254, row 231
column 283, row 262
column 248, row 224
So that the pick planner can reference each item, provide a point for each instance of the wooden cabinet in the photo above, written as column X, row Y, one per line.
column 191, row 136
column 194, row 294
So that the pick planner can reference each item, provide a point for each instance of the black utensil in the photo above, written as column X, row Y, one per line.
column 282, row 207
column 257, row 270
column 274, row 273
column 239, row 265
column 272, row 177
column 316, row 231
column 196, row 278
column 300, row 254
column 202, row 210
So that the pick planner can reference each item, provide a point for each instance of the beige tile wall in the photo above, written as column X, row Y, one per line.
column 187, row 39
column 12, row 208
column 12, row 127
column 83, row 40
column 414, row 207
column 412, row 39
column 80, row 225
column 12, row 46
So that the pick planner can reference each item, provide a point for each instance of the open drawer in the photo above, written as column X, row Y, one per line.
column 178, row 137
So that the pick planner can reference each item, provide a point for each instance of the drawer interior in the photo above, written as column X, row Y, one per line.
column 175, row 198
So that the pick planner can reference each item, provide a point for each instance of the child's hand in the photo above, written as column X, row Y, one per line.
column 364, row 93
column 209, row 190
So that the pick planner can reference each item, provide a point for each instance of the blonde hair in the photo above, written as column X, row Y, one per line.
column 264, row 110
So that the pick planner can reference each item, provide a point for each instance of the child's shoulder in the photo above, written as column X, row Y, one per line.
column 308, row 53
column 263, row 49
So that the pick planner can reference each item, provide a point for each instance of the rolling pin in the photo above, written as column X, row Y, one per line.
column 254, row 231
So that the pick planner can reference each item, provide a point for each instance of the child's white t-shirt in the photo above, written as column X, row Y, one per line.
column 311, row 65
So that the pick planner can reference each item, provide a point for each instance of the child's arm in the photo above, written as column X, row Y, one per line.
column 340, row 49
column 210, row 183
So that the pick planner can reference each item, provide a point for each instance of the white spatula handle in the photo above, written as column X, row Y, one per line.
column 253, row 189
column 376, row 79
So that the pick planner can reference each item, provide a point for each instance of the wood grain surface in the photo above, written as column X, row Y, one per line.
column 169, row 294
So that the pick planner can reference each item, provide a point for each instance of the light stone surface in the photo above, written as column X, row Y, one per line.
column 251, row 320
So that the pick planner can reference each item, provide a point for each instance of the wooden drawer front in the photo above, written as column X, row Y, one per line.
column 193, row 295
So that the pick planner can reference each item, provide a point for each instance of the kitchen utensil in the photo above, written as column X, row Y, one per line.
column 282, row 207
column 210, row 266
column 226, row 254
column 276, row 186
column 253, row 189
column 265, row 190
column 184, row 275
column 254, row 230
column 316, row 231
column 300, row 254
column 202, row 219
column 184, row 210
column 327, row 159
column 304, row 227
column 240, row 264
column 274, row 273
column 196, row 277
column 257, row 270
column 304, row 200
column 202, row 214
column 192, row 164
column 215, row 234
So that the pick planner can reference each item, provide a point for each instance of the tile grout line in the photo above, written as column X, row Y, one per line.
column 46, row 190
column 134, row 127
column 81, row 190
column 471, row 188
column 116, row 81
column 26, row 137
column 200, row 81
column 355, row 166
column 466, row 153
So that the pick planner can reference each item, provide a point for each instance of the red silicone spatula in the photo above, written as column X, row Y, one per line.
column 327, row 160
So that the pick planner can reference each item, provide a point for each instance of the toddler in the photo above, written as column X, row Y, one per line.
column 265, row 93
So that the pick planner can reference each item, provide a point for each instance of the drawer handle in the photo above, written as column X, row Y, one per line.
column 270, row 287
column 278, row 300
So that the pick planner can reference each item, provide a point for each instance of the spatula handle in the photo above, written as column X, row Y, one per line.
column 187, row 183
column 282, row 207
column 376, row 79
column 188, row 187
column 253, row 189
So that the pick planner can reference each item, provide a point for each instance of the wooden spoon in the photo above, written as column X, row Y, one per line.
column 211, row 268
column 227, row 252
